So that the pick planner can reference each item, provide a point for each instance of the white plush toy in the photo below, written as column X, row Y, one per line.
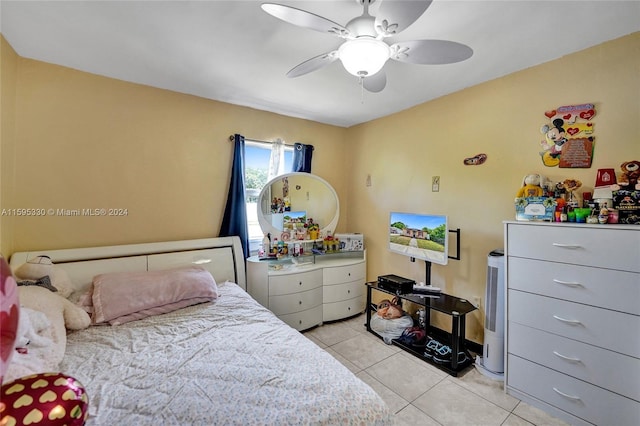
column 33, row 330
column 35, row 293
column 33, row 346
column 40, row 267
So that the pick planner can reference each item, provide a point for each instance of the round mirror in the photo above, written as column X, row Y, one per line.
column 288, row 201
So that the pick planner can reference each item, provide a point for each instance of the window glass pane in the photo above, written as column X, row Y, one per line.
column 256, row 170
column 288, row 159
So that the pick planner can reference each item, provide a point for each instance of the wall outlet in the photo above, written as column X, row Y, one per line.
column 476, row 301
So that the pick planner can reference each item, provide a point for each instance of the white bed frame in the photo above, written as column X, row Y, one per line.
column 223, row 257
column 235, row 391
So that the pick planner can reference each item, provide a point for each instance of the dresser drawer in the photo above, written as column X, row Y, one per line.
column 346, row 308
column 337, row 293
column 600, row 327
column 589, row 246
column 289, row 303
column 586, row 401
column 286, row 284
column 343, row 274
column 305, row 319
column 610, row 370
column 611, row 289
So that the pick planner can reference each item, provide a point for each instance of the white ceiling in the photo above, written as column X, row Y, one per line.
column 234, row 52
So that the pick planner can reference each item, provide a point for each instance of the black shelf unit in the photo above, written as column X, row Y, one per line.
column 454, row 306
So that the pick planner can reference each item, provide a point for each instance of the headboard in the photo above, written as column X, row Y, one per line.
column 223, row 257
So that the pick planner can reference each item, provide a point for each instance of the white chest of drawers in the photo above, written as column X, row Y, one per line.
column 573, row 320
column 330, row 289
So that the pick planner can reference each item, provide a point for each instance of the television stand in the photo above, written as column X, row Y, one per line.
column 455, row 307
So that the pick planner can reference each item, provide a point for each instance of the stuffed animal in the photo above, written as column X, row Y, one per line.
column 61, row 313
column 41, row 271
column 34, row 345
column 531, row 187
column 390, row 320
column 33, row 330
column 390, row 309
column 24, row 330
column 630, row 176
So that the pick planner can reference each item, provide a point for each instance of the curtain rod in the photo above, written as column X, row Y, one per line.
column 232, row 138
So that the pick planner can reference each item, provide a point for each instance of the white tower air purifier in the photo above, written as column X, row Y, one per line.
column 492, row 362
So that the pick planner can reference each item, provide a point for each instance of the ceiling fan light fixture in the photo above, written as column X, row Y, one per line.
column 363, row 56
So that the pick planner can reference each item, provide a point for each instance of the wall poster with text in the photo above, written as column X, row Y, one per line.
column 569, row 140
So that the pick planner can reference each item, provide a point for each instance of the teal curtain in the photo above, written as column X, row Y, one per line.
column 234, row 221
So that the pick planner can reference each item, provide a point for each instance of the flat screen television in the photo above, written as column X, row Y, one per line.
column 419, row 236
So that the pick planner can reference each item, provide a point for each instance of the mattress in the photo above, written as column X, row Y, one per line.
column 228, row 362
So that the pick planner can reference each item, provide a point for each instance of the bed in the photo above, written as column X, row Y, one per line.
column 226, row 362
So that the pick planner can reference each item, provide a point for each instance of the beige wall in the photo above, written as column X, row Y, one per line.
column 84, row 141
column 502, row 119
column 8, row 72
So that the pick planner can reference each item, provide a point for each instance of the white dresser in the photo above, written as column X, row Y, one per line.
column 343, row 290
column 303, row 296
column 573, row 320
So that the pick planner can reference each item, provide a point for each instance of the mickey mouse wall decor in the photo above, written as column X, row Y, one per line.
column 560, row 147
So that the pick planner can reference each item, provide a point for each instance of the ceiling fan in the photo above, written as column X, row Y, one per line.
column 364, row 52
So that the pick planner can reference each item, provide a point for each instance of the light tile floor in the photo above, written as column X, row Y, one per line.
column 419, row 393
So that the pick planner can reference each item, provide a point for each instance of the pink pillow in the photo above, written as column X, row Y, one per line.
column 126, row 296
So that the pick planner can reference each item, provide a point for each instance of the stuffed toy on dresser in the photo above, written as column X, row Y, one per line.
column 531, row 187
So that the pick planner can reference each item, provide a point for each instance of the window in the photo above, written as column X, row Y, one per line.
column 257, row 155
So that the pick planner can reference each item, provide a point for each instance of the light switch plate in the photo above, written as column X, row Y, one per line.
column 435, row 184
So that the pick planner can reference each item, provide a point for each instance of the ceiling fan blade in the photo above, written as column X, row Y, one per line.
column 313, row 64
column 305, row 19
column 376, row 82
column 430, row 52
column 396, row 15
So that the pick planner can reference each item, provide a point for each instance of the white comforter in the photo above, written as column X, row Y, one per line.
column 230, row 362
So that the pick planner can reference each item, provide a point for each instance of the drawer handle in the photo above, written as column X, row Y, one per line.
column 575, row 398
column 567, row 283
column 567, row 246
column 348, row 291
column 568, row 321
column 300, row 283
column 567, row 358
column 300, row 302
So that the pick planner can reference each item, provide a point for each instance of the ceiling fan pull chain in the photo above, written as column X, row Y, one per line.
column 361, row 83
